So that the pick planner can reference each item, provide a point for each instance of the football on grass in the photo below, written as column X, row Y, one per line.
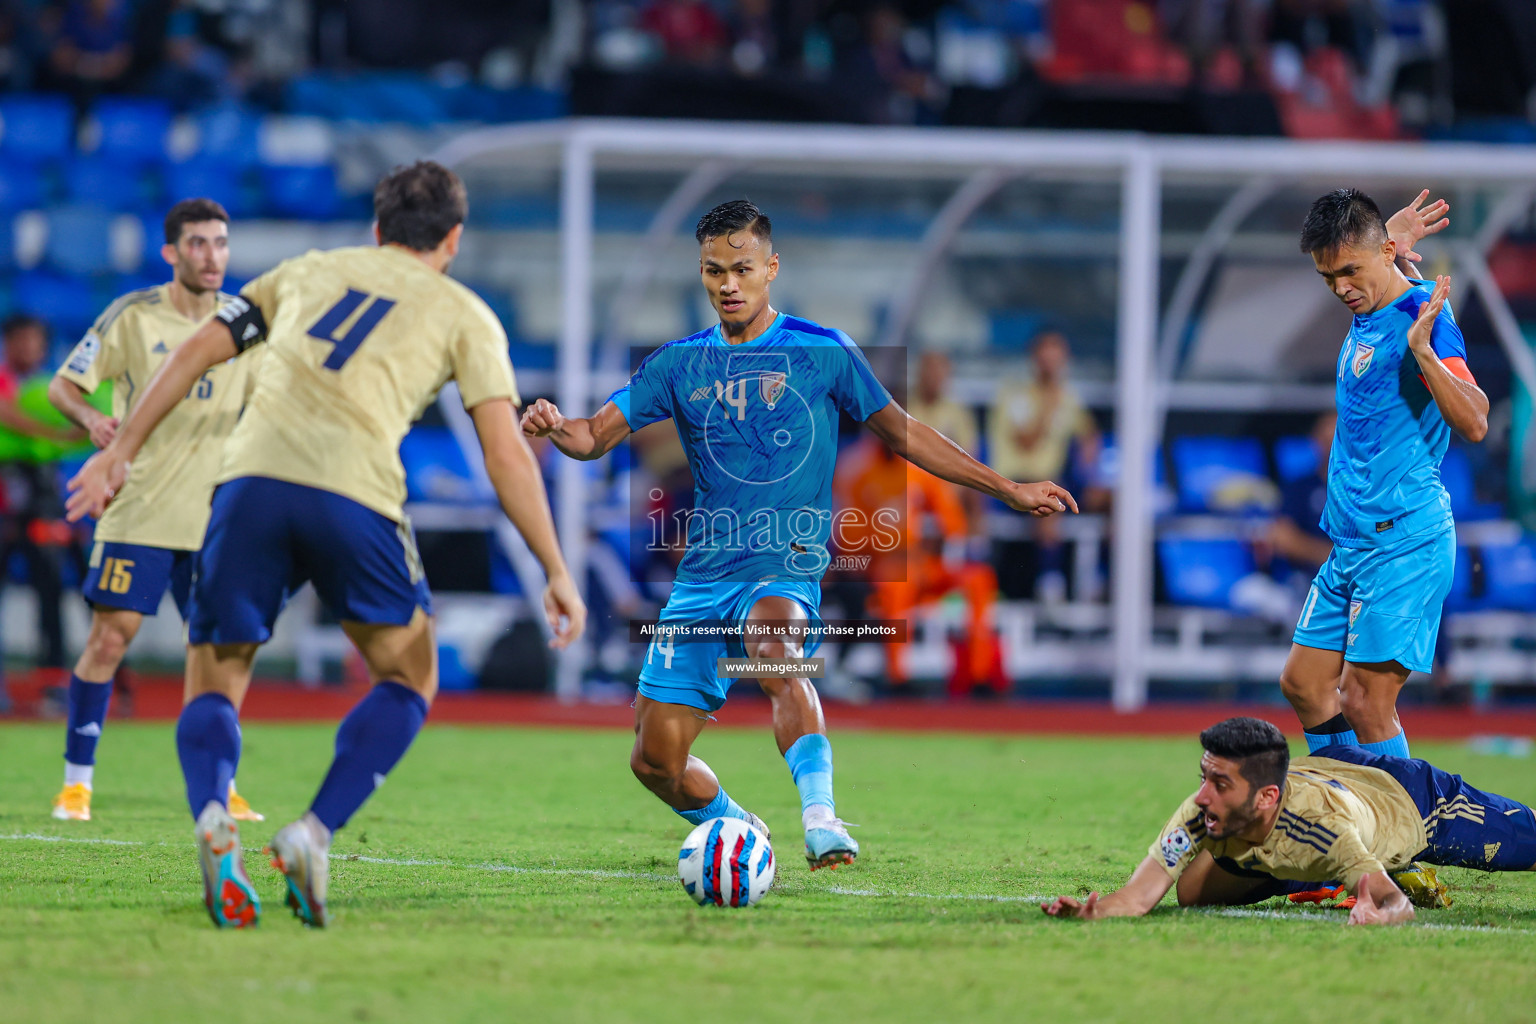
column 725, row 862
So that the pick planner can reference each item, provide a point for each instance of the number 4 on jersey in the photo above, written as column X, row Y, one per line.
column 326, row 327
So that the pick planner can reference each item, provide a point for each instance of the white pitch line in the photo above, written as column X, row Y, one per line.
column 1293, row 916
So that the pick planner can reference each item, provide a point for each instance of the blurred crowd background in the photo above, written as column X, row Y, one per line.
column 286, row 111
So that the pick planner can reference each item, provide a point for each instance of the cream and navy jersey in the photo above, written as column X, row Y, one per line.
column 164, row 503
column 357, row 342
column 1337, row 821
column 759, row 423
column 1390, row 437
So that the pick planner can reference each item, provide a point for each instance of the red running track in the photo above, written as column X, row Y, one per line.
column 159, row 699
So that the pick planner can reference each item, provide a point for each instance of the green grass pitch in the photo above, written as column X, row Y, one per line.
column 522, row 874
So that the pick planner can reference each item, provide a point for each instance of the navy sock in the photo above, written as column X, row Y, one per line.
column 87, row 713
column 1397, row 746
column 208, row 742
column 1334, row 732
column 371, row 741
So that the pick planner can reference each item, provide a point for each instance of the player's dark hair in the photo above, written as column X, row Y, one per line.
column 416, row 206
column 21, row 322
column 191, row 211
column 1345, row 216
column 736, row 215
column 1258, row 747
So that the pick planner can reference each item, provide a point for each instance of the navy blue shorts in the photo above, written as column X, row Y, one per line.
column 1467, row 827
column 267, row 537
column 133, row 577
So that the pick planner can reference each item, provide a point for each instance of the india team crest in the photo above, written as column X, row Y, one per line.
column 1362, row 360
column 1354, row 611
column 770, row 386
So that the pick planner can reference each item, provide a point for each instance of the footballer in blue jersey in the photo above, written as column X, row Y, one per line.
column 756, row 401
column 1402, row 385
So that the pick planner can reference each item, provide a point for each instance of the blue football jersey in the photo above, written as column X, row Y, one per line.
column 1387, row 448
column 759, row 423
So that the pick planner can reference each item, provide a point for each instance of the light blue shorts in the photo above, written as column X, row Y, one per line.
column 682, row 671
column 1381, row 604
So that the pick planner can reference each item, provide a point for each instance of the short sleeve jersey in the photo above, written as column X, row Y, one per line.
column 1016, row 407
column 1387, row 447
column 759, row 423
column 165, row 501
column 1337, row 821
column 358, row 341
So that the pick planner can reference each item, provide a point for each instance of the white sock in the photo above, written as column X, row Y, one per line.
column 78, row 773
column 817, row 816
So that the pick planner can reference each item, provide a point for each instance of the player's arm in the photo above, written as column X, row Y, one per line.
column 1408, row 226
column 1461, row 401
column 514, row 473
column 1378, row 900
column 1148, row 885
column 103, row 473
column 583, row 439
column 928, row 449
column 74, row 403
column 12, row 418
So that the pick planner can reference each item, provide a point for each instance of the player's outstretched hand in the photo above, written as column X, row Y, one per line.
column 103, row 431
column 1409, row 225
column 542, row 418
column 1420, row 334
column 1066, row 906
column 1367, row 911
column 94, row 487
column 1042, row 499
column 565, row 610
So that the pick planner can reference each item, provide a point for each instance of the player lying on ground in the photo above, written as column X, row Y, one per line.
column 1260, row 823
column 1373, row 612
column 755, row 401
column 145, row 541
column 358, row 342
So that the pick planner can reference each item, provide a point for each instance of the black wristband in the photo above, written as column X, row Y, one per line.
column 246, row 324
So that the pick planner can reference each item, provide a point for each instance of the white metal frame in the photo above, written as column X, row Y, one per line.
column 979, row 159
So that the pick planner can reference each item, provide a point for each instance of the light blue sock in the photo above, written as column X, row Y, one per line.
column 1334, row 732
column 810, row 763
column 1397, row 746
column 722, row 806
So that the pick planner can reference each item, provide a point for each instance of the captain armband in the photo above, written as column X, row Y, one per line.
column 246, row 324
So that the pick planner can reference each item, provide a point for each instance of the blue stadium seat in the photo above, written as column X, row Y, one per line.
column 1202, row 572
column 229, row 135
column 1459, row 598
column 318, row 95
column 1295, row 457
column 65, row 302
column 21, row 186
column 435, row 469
column 36, row 128
column 97, row 181
column 1456, row 475
column 7, row 243
column 207, row 178
column 500, row 301
column 79, row 240
column 1510, row 574
column 133, row 131
column 303, row 192
column 1014, row 329
column 1220, row 473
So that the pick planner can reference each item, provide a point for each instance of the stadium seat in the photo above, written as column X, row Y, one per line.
column 1510, row 574
column 7, row 243
column 229, row 135
column 305, row 192
column 21, row 186
column 79, row 240
column 132, row 131
column 36, row 128
column 65, row 302
column 1460, row 597
column 1222, row 474
column 212, row 179
column 1456, row 474
column 1202, row 572
column 1295, row 457
column 435, row 469
column 97, row 181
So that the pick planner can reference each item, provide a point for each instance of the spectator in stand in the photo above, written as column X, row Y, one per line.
column 755, row 38
column 1206, row 27
column 190, row 72
column 689, row 30
column 935, row 407
column 1307, row 25
column 92, row 51
column 32, row 521
column 1295, row 537
column 1031, row 431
